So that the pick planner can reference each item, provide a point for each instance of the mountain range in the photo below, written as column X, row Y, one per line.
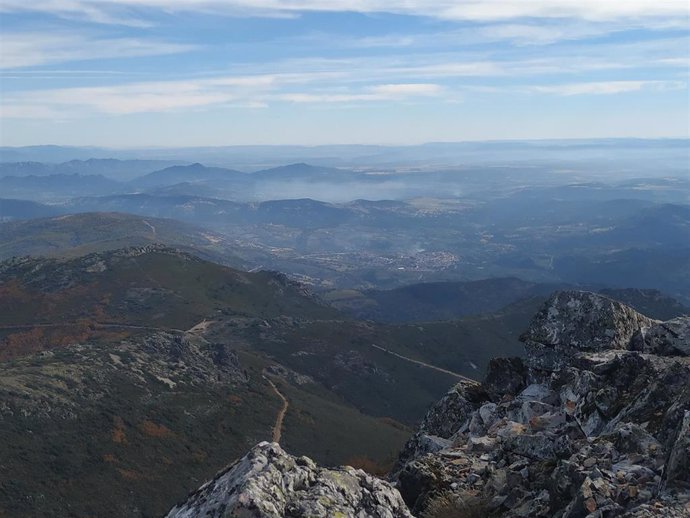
column 125, row 363
column 166, row 312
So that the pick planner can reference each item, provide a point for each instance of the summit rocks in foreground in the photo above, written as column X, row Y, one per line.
column 595, row 422
column 267, row 482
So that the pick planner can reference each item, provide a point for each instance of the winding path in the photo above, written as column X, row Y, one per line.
column 278, row 426
column 427, row 365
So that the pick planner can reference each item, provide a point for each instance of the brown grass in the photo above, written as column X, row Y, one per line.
column 155, row 430
column 129, row 474
column 118, row 433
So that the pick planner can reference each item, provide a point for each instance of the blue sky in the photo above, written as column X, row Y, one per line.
column 211, row 72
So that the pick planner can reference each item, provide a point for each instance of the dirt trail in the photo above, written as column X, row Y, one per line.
column 201, row 327
column 427, row 365
column 153, row 228
column 278, row 426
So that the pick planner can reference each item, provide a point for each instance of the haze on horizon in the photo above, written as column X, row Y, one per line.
column 209, row 72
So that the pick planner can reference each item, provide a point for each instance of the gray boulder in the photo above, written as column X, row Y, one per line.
column 671, row 338
column 571, row 322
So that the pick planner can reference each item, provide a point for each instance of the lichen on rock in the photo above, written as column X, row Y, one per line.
column 269, row 483
column 594, row 422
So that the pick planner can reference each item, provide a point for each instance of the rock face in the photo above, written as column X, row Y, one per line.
column 595, row 422
column 574, row 321
column 671, row 338
column 268, row 482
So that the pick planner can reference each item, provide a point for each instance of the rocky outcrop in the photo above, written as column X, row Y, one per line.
column 671, row 338
column 571, row 322
column 595, row 422
column 267, row 482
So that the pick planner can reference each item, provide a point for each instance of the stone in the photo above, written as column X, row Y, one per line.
column 537, row 392
column 678, row 465
column 589, row 420
column 481, row 444
column 445, row 417
column 269, row 483
column 671, row 338
column 589, row 462
column 488, row 413
column 505, row 376
column 578, row 321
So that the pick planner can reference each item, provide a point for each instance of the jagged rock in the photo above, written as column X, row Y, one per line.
column 595, row 422
column 505, row 376
column 678, row 466
column 577, row 321
column 671, row 338
column 442, row 420
column 269, row 483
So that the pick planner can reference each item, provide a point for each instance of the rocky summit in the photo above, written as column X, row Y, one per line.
column 267, row 482
column 594, row 422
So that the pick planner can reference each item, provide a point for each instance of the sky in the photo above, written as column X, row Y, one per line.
column 137, row 73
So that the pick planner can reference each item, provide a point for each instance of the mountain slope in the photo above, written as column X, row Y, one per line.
column 127, row 426
column 72, row 235
column 121, row 170
column 437, row 300
column 149, row 286
column 123, row 403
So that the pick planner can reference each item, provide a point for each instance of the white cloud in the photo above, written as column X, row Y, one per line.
column 608, row 87
column 381, row 93
column 405, row 89
column 165, row 96
column 125, row 11
column 322, row 81
column 27, row 49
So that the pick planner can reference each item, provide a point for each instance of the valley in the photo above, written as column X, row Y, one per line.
column 164, row 318
column 331, row 259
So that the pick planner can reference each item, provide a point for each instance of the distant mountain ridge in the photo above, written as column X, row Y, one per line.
column 444, row 153
column 192, row 173
column 302, row 171
column 54, row 186
column 121, row 170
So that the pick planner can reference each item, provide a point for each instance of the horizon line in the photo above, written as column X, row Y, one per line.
column 425, row 143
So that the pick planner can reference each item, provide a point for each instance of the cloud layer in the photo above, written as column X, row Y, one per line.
column 479, row 65
column 125, row 11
